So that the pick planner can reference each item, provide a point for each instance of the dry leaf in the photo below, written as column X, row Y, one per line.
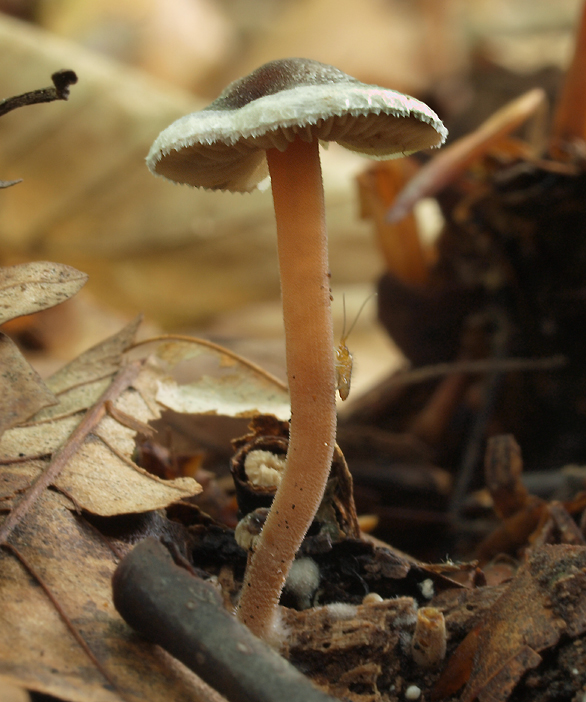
column 31, row 287
column 22, row 392
column 547, row 598
column 65, row 638
column 39, row 652
column 24, row 289
column 244, row 391
column 233, row 395
column 100, row 474
column 11, row 693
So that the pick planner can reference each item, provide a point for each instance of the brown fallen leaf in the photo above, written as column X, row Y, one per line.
column 546, row 598
column 65, row 637
column 84, row 446
column 22, row 392
column 94, row 365
column 85, row 452
column 31, row 287
column 24, row 289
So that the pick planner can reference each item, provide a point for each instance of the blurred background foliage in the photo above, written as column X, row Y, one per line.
column 197, row 260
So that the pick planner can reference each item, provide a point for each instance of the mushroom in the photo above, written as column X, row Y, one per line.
column 272, row 122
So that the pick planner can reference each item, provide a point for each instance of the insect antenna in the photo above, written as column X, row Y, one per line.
column 362, row 306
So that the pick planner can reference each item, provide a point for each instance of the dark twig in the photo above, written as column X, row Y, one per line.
column 186, row 617
column 62, row 80
column 482, row 366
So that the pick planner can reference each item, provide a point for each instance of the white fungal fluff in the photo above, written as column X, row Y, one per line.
column 264, row 468
column 303, row 581
column 427, row 589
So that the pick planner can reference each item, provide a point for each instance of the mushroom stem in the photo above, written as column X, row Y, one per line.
column 305, row 288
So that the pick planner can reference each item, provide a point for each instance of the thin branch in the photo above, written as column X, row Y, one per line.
column 122, row 380
column 487, row 365
column 10, row 460
column 62, row 80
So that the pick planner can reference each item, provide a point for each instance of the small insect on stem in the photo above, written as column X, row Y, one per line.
column 343, row 358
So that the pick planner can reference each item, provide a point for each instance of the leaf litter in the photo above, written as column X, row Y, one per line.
column 245, row 390
column 70, row 641
column 64, row 638
column 25, row 289
column 31, row 287
column 22, row 391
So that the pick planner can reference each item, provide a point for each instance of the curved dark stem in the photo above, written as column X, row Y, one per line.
column 62, row 81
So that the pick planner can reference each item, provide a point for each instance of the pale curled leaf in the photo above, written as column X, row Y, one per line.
column 231, row 395
column 105, row 484
column 31, row 287
column 245, row 391
column 22, row 392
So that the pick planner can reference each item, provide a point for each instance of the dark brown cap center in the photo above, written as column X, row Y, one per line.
column 275, row 76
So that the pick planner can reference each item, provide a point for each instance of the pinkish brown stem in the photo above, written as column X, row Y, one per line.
column 305, row 289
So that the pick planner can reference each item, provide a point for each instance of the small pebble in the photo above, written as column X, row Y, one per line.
column 412, row 692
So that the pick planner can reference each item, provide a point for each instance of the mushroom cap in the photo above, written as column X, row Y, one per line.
column 223, row 146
